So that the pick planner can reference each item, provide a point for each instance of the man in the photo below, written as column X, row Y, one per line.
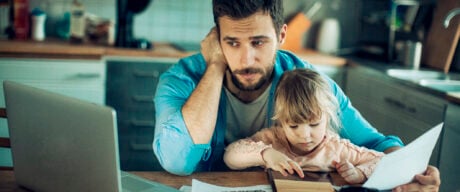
column 225, row 93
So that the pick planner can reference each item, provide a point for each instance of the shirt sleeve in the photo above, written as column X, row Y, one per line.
column 172, row 144
column 356, row 128
column 362, row 158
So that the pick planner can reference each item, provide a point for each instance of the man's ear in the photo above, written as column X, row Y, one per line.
column 283, row 33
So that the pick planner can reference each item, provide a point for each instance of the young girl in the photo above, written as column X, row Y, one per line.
column 305, row 135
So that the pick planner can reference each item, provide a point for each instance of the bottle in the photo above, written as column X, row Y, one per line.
column 38, row 24
column 329, row 36
column 77, row 22
column 21, row 19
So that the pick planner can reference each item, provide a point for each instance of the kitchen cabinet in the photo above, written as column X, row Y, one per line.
column 449, row 157
column 131, row 86
column 79, row 78
column 394, row 108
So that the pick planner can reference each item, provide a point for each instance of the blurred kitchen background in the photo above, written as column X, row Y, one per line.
column 395, row 59
column 190, row 21
column 363, row 26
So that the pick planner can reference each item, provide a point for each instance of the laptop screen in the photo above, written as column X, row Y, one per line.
column 60, row 143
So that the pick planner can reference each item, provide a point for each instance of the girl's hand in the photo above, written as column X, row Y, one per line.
column 349, row 172
column 280, row 162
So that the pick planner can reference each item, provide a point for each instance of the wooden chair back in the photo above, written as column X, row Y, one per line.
column 4, row 142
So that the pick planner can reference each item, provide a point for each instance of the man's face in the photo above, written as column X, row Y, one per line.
column 249, row 46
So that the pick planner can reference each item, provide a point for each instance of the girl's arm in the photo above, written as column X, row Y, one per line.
column 245, row 153
column 362, row 159
column 257, row 151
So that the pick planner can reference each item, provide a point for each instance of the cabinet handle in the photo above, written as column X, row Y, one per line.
column 395, row 103
column 143, row 98
column 412, row 109
column 143, row 74
column 141, row 147
column 87, row 75
column 143, row 123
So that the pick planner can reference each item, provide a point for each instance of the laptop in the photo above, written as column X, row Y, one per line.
column 59, row 143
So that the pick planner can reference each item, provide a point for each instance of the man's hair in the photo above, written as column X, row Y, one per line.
column 303, row 96
column 239, row 9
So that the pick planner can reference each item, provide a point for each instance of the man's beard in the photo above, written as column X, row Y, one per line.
column 265, row 78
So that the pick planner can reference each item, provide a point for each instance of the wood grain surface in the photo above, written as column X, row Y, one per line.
column 439, row 48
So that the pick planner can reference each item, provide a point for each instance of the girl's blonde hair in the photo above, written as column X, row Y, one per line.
column 302, row 96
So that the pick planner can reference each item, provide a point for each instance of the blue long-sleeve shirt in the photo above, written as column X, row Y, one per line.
column 174, row 147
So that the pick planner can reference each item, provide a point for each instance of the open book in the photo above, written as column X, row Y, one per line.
column 313, row 181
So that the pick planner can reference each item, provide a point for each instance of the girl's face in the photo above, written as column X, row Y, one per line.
column 303, row 138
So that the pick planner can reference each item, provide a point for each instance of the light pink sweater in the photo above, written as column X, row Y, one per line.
column 246, row 153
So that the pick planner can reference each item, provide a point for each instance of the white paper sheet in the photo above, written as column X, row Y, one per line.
column 186, row 188
column 400, row 167
column 199, row 186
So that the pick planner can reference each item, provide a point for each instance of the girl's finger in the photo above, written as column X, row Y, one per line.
column 281, row 170
column 297, row 168
column 287, row 167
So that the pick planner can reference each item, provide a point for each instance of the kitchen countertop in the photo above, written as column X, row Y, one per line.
column 55, row 48
column 382, row 67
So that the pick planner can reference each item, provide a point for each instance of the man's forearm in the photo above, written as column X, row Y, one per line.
column 200, row 110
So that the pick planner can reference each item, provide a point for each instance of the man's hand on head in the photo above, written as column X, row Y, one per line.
column 212, row 51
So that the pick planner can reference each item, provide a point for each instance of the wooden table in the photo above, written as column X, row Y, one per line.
column 228, row 179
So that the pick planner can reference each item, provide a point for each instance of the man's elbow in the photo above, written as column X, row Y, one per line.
column 178, row 168
column 174, row 164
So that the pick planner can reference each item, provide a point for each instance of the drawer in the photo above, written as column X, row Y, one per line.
column 132, row 71
column 55, row 70
column 137, row 133
column 425, row 107
column 389, row 97
column 137, row 117
column 395, row 98
column 91, row 92
column 129, row 101
column 133, row 84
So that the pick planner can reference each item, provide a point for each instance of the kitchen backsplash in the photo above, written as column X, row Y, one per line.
column 162, row 21
column 190, row 21
column 175, row 21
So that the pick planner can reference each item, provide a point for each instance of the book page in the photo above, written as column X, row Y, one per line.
column 313, row 181
column 400, row 166
column 199, row 186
